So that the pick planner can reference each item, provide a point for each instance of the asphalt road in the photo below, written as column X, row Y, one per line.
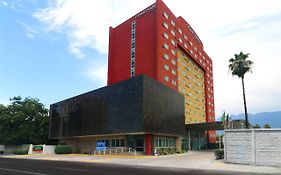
column 12, row 166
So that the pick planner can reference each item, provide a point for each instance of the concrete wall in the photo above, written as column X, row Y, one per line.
column 2, row 147
column 10, row 148
column 253, row 146
column 49, row 149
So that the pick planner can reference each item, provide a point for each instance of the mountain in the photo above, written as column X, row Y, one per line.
column 272, row 118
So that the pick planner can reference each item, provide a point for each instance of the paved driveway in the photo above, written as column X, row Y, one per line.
column 203, row 160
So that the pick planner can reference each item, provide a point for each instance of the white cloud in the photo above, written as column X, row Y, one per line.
column 29, row 30
column 96, row 73
column 86, row 23
column 4, row 3
column 225, row 27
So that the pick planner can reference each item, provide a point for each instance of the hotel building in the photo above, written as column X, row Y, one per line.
column 164, row 47
column 160, row 81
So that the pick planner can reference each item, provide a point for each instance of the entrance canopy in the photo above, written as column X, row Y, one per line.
column 213, row 126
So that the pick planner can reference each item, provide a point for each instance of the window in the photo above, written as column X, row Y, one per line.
column 166, row 35
column 165, row 15
column 191, row 51
column 188, row 68
column 174, row 82
column 166, row 78
column 166, row 56
column 133, row 44
column 173, row 52
column 173, row 33
column 183, row 90
column 164, row 143
column 173, row 71
column 166, row 46
column 173, row 62
column 180, row 31
column 185, row 37
column 185, row 45
column 165, row 25
column 118, row 143
column 195, row 48
column 183, row 63
column 183, row 72
column 173, row 42
column 190, row 43
column 183, row 81
column 180, row 40
column 173, row 23
column 166, row 67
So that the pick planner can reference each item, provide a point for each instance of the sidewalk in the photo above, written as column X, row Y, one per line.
column 204, row 160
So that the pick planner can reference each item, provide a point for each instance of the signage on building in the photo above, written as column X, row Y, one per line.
column 148, row 9
column 194, row 34
column 37, row 148
column 100, row 146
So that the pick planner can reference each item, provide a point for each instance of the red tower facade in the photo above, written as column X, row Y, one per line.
column 149, row 43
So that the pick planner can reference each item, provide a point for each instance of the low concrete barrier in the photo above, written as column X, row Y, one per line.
column 47, row 149
column 8, row 149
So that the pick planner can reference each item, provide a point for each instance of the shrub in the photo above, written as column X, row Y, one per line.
column 219, row 153
column 20, row 152
column 64, row 149
column 1, row 152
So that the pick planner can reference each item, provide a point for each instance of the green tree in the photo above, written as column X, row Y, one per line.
column 266, row 126
column 239, row 66
column 24, row 121
column 225, row 118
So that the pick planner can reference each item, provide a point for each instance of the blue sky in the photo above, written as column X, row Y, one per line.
column 36, row 63
column 56, row 49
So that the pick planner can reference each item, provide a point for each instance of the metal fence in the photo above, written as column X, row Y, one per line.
column 253, row 146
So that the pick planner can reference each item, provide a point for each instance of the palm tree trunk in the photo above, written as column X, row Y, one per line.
column 245, row 106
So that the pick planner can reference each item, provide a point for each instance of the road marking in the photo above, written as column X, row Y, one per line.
column 72, row 169
column 20, row 171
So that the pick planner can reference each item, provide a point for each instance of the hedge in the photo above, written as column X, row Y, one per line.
column 219, row 153
column 64, row 149
column 20, row 152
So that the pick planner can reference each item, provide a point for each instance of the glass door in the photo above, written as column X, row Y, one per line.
column 140, row 145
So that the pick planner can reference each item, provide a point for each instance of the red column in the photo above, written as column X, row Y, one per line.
column 148, row 144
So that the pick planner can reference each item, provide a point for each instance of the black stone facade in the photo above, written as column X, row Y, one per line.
column 136, row 105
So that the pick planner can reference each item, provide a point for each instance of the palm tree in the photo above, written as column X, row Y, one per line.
column 239, row 66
